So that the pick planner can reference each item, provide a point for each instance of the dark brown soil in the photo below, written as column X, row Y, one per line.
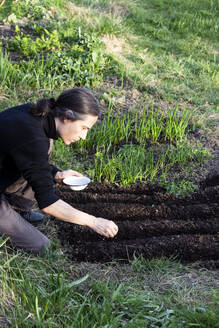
column 151, row 222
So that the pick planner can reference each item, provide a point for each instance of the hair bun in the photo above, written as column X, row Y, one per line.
column 52, row 102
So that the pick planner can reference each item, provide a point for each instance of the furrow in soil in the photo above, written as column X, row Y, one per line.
column 151, row 222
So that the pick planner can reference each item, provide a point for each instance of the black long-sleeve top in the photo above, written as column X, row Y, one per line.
column 24, row 146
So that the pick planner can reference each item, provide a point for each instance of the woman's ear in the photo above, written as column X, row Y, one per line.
column 69, row 114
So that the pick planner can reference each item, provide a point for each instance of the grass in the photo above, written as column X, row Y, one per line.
column 185, row 38
column 78, row 58
column 170, row 55
column 136, row 163
column 144, row 294
column 127, row 148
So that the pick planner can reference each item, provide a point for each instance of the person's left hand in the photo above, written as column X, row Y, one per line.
column 66, row 174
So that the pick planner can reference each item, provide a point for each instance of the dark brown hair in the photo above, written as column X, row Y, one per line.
column 72, row 104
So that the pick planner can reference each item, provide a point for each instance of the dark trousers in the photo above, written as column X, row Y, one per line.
column 21, row 233
column 20, row 197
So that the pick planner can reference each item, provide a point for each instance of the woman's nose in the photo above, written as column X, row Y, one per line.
column 84, row 134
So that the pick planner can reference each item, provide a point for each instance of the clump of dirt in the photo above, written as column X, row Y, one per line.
column 151, row 222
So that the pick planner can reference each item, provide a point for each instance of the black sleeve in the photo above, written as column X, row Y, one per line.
column 31, row 160
column 54, row 170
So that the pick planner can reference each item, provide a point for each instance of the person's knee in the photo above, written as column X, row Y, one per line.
column 41, row 247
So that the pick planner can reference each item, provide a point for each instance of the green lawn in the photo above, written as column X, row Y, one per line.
column 50, row 292
column 154, row 67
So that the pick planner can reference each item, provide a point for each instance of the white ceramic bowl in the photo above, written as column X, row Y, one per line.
column 77, row 183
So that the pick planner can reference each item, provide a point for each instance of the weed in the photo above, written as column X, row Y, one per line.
column 181, row 187
column 32, row 9
column 24, row 44
column 83, row 63
column 80, row 65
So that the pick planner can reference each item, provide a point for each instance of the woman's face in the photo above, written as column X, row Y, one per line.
column 72, row 131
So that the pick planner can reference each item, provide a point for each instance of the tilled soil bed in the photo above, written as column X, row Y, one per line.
column 151, row 222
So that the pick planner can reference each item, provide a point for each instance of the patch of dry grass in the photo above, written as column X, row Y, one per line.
column 181, row 284
column 79, row 11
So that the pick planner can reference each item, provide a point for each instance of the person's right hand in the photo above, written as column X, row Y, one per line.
column 104, row 227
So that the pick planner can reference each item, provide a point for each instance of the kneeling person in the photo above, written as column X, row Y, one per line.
column 26, row 136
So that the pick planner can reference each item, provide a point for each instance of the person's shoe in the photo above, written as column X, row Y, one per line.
column 32, row 217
